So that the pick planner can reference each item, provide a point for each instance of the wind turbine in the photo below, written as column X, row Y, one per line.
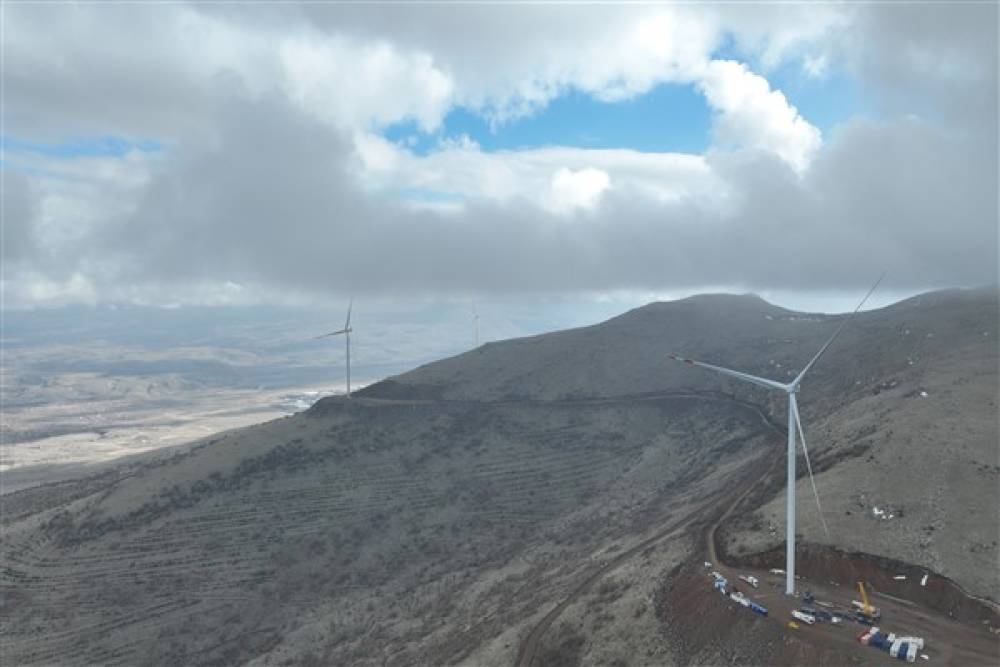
column 475, row 315
column 347, row 339
column 794, row 423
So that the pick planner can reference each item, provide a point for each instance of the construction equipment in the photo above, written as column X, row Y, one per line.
column 867, row 614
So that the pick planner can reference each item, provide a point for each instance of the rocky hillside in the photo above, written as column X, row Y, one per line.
column 901, row 411
column 439, row 515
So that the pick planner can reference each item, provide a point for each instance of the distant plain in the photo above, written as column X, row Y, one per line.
column 82, row 387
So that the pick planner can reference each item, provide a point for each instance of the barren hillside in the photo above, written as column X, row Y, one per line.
column 439, row 516
column 901, row 414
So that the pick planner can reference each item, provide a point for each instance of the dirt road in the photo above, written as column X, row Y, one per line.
column 723, row 507
column 948, row 642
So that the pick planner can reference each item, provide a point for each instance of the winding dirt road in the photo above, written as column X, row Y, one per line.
column 949, row 642
column 717, row 510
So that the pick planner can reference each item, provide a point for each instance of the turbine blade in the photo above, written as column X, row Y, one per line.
column 332, row 333
column 763, row 382
column 812, row 480
column 347, row 324
column 836, row 333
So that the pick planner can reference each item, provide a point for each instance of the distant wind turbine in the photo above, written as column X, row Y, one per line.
column 347, row 339
column 475, row 312
column 794, row 423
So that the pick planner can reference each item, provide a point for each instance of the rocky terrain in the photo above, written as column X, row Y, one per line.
column 531, row 494
column 900, row 416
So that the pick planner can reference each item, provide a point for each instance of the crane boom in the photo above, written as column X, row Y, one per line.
column 868, row 613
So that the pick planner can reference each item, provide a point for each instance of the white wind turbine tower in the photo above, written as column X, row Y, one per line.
column 794, row 423
column 347, row 339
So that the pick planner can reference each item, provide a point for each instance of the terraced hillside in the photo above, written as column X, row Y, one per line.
column 440, row 516
column 357, row 528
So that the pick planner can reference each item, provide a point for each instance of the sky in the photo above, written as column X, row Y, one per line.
column 217, row 154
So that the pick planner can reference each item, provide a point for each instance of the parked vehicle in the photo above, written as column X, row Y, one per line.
column 903, row 651
column 822, row 615
column 739, row 598
column 879, row 641
column 805, row 618
column 909, row 639
column 865, row 636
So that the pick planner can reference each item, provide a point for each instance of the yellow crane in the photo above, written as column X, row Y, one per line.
column 868, row 613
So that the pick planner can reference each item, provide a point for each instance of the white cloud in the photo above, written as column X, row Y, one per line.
column 273, row 164
column 771, row 35
column 533, row 176
column 359, row 85
column 571, row 191
column 815, row 67
column 34, row 289
column 754, row 116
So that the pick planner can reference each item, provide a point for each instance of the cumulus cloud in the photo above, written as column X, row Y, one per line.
column 574, row 190
column 752, row 115
column 362, row 85
column 464, row 170
column 273, row 176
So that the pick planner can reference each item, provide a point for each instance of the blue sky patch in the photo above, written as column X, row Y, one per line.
column 419, row 196
column 669, row 118
column 824, row 100
column 107, row 146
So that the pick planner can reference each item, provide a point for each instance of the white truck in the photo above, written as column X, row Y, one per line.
column 805, row 618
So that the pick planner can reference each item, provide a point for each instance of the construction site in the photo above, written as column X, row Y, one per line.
column 848, row 605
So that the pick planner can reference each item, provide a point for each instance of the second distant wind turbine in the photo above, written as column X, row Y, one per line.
column 347, row 340
column 794, row 423
column 475, row 312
